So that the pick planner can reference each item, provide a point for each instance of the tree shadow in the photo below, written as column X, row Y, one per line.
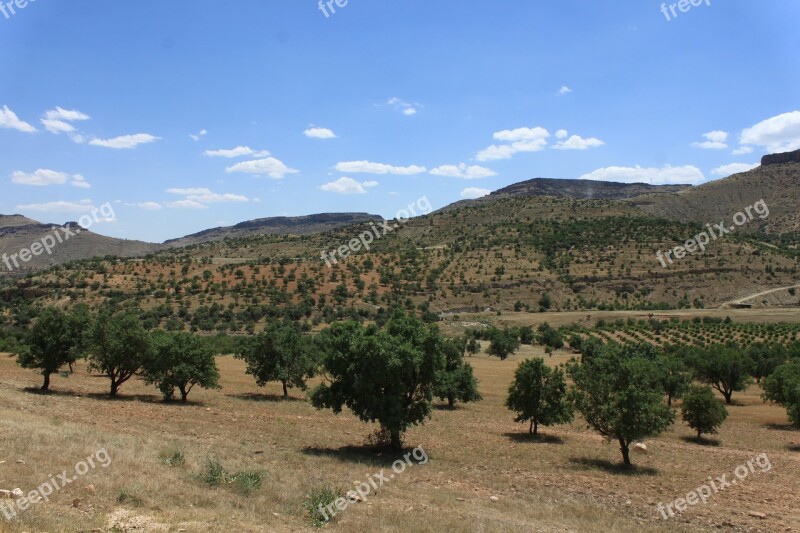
column 365, row 454
column 781, row 427
column 445, row 407
column 793, row 447
column 259, row 397
column 534, row 439
column 613, row 468
column 702, row 442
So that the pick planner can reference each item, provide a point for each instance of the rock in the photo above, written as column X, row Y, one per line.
column 17, row 493
column 494, row 498
column 89, row 489
column 756, row 514
column 460, row 499
column 640, row 447
column 76, row 502
column 20, row 462
column 779, row 159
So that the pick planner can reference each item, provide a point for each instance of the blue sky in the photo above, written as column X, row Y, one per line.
column 185, row 115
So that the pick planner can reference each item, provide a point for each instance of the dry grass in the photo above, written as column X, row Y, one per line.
column 566, row 482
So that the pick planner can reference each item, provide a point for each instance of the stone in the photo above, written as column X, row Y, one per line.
column 494, row 498
column 89, row 488
column 779, row 159
column 640, row 447
column 756, row 514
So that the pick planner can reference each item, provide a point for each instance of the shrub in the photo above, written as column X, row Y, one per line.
column 320, row 498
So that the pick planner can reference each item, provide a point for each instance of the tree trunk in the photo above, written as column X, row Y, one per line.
column 699, row 435
column 535, row 427
column 728, row 395
column 285, row 391
column 669, row 399
column 46, row 385
column 114, row 388
column 396, row 442
column 451, row 401
column 184, row 393
column 626, row 452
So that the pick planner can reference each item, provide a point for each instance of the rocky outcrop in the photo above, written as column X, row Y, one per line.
column 779, row 159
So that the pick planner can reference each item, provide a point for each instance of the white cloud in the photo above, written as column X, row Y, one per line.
column 197, row 136
column 521, row 139
column 319, row 133
column 777, row 134
column 58, row 207
column 149, row 206
column 714, row 140
column 239, row 151
column 733, row 168
column 125, row 141
column 202, row 195
column 57, row 126
column 368, row 167
column 665, row 175
column 369, row 184
column 274, row 168
column 44, row 177
column 522, row 134
column 495, row 152
column 463, row 171
column 69, row 115
column 406, row 108
column 576, row 142
column 742, row 150
column 9, row 120
column 564, row 90
column 474, row 192
column 562, row 134
column 347, row 186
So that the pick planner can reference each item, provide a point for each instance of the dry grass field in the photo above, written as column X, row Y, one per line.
column 483, row 475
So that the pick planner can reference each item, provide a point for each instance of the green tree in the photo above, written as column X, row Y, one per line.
column 526, row 335
column 118, row 348
column 783, row 388
column 725, row 368
column 766, row 358
column 550, row 337
column 503, row 343
column 456, row 381
column 55, row 340
column 181, row 361
column 280, row 353
column 702, row 410
column 675, row 377
column 473, row 347
column 619, row 395
column 539, row 395
column 386, row 375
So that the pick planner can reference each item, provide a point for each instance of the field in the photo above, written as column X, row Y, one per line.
column 483, row 472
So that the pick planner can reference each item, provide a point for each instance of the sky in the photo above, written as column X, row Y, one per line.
column 184, row 115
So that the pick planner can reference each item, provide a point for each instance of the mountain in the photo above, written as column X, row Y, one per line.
column 303, row 225
column 777, row 184
column 584, row 189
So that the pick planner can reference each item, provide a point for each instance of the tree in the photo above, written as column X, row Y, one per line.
column 473, row 348
column 526, row 335
column 783, row 388
column 675, row 377
column 55, row 340
column 384, row 374
column 725, row 368
column 702, row 410
column 550, row 337
column 181, row 361
column 766, row 358
column 590, row 348
column 619, row 395
column 503, row 343
column 118, row 348
column 539, row 395
column 456, row 381
column 280, row 353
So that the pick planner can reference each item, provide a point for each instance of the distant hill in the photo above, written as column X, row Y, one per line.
column 778, row 184
column 583, row 189
column 303, row 225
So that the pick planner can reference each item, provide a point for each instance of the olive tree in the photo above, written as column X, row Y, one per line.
column 702, row 410
column 182, row 361
column 456, row 381
column 539, row 395
column 118, row 348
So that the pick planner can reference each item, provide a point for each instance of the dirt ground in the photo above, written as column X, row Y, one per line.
column 483, row 474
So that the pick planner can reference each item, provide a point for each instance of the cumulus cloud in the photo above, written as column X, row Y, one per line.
column 714, row 140
column 733, row 168
column 44, row 177
column 198, row 135
column 743, row 150
column 59, row 121
column 576, row 142
column 149, row 206
column 9, row 120
column 348, row 186
column 204, row 196
column 239, row 151
column 368, row 167
column 68, row 115
column 274, row 168
column 406, row 108
column 186, row 204
column 463, row 171
column 777, row 134
column 564, row 90
column 666, row 175
column 319, row 133
column 471, row 193
column 562, row 134
column 125, row 141
column 81, row 206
